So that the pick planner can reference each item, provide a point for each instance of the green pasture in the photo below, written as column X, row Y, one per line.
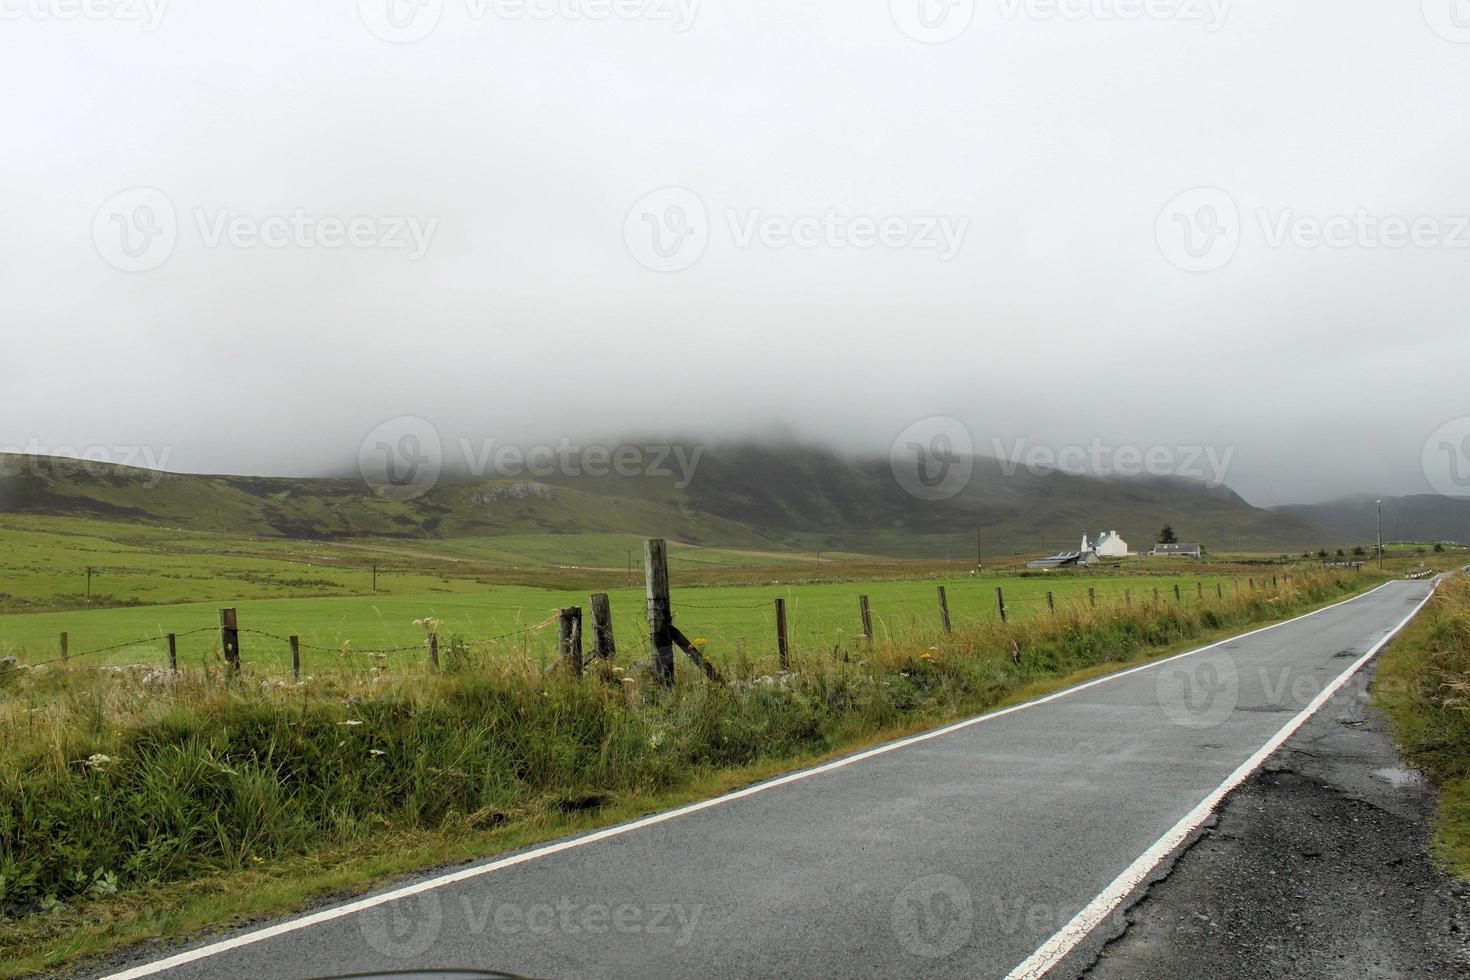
column 351, row 630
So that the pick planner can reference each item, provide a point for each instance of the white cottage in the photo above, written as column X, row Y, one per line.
column 1109, row 545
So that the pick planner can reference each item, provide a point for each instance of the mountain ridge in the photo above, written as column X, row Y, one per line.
column 751, row 495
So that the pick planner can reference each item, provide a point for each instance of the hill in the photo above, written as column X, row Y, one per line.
column 743, row 495
column 1423, row 517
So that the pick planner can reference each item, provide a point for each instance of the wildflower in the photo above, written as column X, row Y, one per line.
column 700, row 643
column 656, row 739
column 349, row 723
column 99, row 761
column 376, row 752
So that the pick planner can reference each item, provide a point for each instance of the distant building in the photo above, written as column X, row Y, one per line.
column 1191, row 550
column 1110, row 545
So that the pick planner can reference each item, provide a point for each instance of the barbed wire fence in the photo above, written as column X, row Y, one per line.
column 663, row 636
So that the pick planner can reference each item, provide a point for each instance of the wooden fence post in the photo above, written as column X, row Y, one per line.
column 1156, row 595
column 1273, row 581
column 944, row 611
column 1092, row 598
column 229, row 637
column 1127, row 597
column 569, row 635
column 1051, row 603
column 65, row 647
column 1253, row 585
column 1000, row 602
column 783, row 642
column 434, row 650
column 1199, row 591
column 660, row 610
column 173, row 652
column 1219, row 591
column 296, row 658
column 867, row 613
column 604, row 644
column 1178, row 599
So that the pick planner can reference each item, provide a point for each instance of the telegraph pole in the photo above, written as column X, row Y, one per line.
column 1380, row 535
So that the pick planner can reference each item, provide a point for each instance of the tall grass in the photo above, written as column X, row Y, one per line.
column 1424, row 683
column 112, row 779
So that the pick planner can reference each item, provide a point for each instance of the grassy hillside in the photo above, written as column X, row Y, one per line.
column 744, row 497
column 1425, row 517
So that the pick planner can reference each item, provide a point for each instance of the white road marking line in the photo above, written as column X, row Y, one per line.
column 1056, row 949
column 408, row 891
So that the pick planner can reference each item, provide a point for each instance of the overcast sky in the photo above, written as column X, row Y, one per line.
column 833, row 218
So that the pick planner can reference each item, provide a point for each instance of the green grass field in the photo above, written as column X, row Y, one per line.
column 148, row 582
column 731, row 618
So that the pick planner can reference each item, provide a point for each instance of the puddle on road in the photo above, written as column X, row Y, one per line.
column 1400, row 778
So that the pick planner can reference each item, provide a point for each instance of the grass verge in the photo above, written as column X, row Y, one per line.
column 1423, row 683
column 133, row 809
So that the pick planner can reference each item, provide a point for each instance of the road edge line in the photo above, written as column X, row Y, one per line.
column 1070, row 936
column 468, row 874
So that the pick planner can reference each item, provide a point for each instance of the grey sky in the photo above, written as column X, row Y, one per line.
column 517, row 148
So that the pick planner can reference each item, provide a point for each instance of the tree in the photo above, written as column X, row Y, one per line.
column 1359, row 551
column 1439, row 549
column 1167, row 535
column 1341, row 553
column 1321, row 552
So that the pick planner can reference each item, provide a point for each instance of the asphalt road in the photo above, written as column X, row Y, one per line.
column 1001, row 847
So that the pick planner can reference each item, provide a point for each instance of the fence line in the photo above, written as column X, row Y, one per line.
column 663, row 635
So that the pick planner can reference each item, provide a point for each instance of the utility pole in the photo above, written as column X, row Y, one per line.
column 89, row 583
column 1380, row 535
column 375, row 578
column 979, row 547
